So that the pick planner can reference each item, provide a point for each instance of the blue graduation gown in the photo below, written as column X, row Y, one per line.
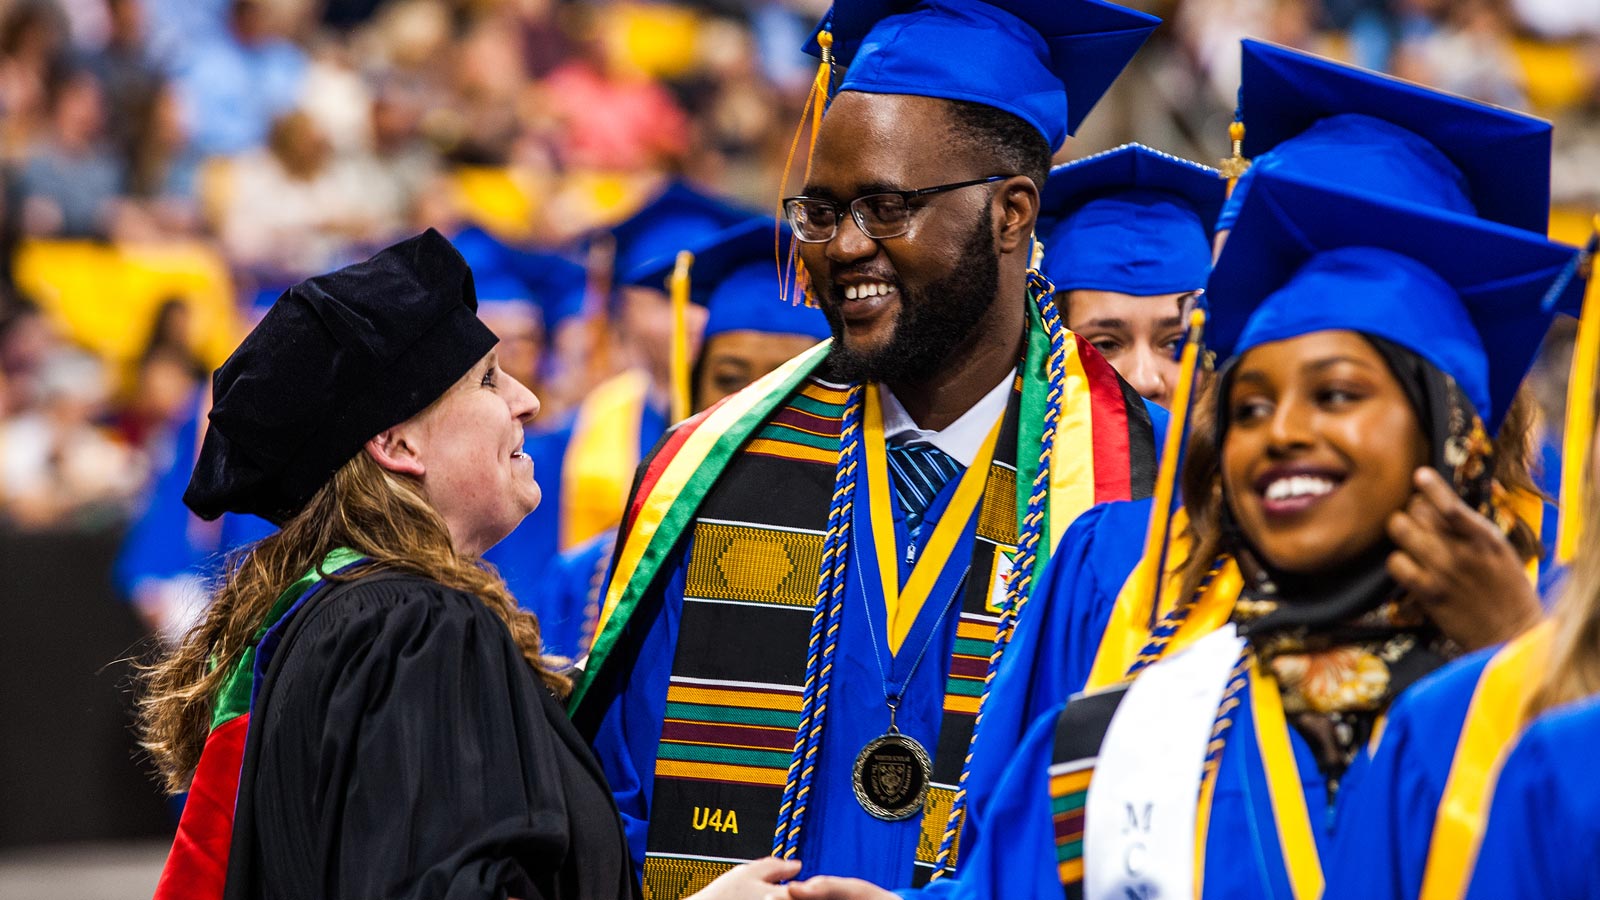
column 1544, row 825
column 565, row 594
column 1384, row 838
column 856, row 844
column 1242, row 856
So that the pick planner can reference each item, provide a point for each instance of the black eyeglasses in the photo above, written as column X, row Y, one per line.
column 880, row 216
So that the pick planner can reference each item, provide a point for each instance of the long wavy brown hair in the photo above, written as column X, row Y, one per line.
column 1201, row 481
column 377, row 513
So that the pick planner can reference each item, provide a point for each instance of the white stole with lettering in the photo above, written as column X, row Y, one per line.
column 1139, row 835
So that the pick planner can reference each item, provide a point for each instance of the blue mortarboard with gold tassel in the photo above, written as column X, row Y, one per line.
column 1045, row 61
column 1131, row 220
column 680, row 216
column 734, row 276
column 1312, row 118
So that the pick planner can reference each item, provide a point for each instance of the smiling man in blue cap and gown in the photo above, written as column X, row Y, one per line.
column 812, row 574
column 754, row 323
column 1207, row 774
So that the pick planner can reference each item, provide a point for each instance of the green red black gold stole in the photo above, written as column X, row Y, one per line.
column 758, row 545
column 731, row 718
column 197, row 867
column 1080, row 728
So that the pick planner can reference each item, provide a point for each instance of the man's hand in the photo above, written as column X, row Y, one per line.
column 1459, row 568
column 828, row 887
column 754, row 880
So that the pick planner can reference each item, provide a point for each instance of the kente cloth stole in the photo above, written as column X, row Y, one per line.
column 1495, row 719
column 197, row 867
column 730, row 720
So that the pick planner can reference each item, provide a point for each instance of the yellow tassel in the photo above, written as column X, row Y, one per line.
column 816, row 103
column 1579, row 435
column 1158, row 537
column 680, row 336
column 1234, row 166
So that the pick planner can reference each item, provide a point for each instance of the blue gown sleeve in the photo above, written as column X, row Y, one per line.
column 1385, row 820
column 1544, row 825
column 1023, row 865
column 1058, row 634
column 1160, row 419
column 629, row 731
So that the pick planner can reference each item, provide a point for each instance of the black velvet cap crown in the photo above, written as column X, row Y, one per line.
column 336, row 360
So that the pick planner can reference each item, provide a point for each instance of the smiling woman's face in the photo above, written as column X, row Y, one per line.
column 1320, row 449
column 469, row 447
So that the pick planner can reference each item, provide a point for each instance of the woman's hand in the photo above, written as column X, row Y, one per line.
column 1459, row 568
column 753, row 880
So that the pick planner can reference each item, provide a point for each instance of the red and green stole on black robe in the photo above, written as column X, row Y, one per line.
column 750, row 480
column 197, row 867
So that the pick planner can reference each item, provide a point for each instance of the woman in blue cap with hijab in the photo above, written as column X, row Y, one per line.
column 1213, row 761
column 364, row 711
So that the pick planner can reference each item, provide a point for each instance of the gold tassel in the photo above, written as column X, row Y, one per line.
column 1234, row 166
column 1579, row 434
column 680, row 336
column 789, row 270
column 1158, row 537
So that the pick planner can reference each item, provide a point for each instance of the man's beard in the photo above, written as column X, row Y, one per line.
column 932, row 324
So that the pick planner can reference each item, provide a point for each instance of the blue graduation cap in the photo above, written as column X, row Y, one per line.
column 1132, row 220
column 677, row 218
column 1313, row 118
column 507, row 276
column 1461, row 292
column 1047, row 61
column 735, row 276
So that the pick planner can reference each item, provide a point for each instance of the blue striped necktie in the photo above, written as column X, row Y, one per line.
column 920, row 471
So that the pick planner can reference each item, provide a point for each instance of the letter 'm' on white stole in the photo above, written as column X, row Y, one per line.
column 1139, row 834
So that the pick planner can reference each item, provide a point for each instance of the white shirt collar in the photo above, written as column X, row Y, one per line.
column 963, row 438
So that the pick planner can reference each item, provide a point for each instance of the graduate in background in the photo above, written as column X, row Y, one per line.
column 587, row 462
column 742, row 703
column 1544, row 823
column 1293, row 637
column 1127, row 237
column 749, row 331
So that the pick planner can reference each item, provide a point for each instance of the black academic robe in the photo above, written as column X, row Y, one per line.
column 402, row 748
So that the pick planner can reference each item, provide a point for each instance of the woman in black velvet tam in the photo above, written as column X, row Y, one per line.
column 364, row 712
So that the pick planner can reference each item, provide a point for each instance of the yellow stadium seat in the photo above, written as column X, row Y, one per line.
column 1554, row 74
column 106, row 297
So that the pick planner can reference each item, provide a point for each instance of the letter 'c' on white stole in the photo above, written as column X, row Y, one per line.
column 1139, row 837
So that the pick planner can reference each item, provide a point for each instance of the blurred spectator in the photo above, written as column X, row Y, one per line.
column 57, row 467
column 33, row 42
column 235, row 84
column 71, row 181
column 127, row 73
column 27, row 339
column 295, row 208
column 1465, row 48
column 163, row 174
